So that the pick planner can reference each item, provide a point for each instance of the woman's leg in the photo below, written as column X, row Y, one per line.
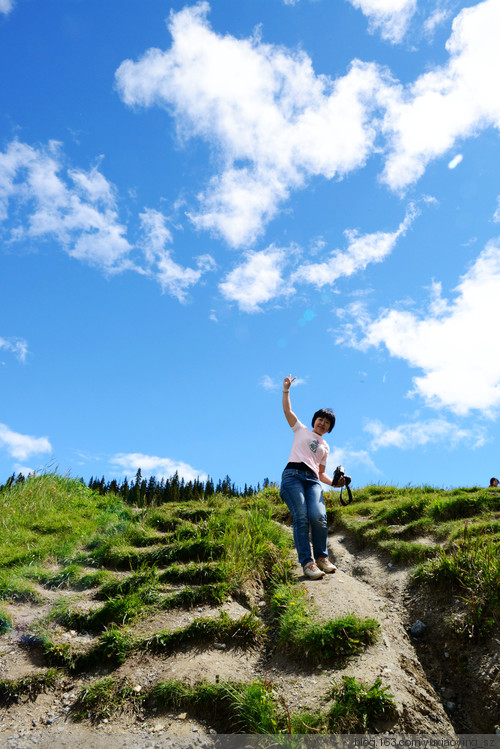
column 293, row 494
column 316, row 513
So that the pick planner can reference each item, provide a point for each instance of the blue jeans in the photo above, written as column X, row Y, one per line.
column 301, row 491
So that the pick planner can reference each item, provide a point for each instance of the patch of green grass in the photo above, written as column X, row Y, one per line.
column 234, row 707
column 201, row 573
column 69, row 576
column 5, row 621
column 144, row 578
column 308, row 640
column 112, row 648
column 253, row 708
column 408, row 551
column 104, row 698
column 120, row 610
column 27, row 687
column 194, row 514
column 461, row 506
column 15, row 587
column 49, row 516
column 254, row 543
column 204, row 699
column 162, row 519
column 247, row 631
column 471, row 566
column 357, row 707
column 120, row 556
column 204, row 594
column 142, row 535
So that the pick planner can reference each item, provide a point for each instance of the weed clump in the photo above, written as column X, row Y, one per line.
column 306, row 639
column 29, row 687
column 356, row 707
column 102, row 699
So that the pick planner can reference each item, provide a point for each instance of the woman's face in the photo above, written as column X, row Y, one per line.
column 321, row 425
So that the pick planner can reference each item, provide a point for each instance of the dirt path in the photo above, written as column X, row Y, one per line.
column 364, row 585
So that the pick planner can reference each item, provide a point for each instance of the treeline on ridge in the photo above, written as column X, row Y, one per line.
column 150, row 492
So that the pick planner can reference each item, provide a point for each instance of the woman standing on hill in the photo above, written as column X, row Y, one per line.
column 301, row 489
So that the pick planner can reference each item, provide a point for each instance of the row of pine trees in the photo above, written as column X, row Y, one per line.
column 150, row 492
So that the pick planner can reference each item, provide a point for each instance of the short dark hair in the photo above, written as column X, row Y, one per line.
column 492, row 479
column 326, row 413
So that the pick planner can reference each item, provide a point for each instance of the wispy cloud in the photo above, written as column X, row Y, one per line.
column 22, row 446
column 173, row 277
column 6, row 6
column 453, row 342
column 349, row 459
column 153, row 465
column 421, row 433
column 79, row 209
column 440, row 15
column 496, row 215
column 268, row 383
column 257, row 280
column 390, row 17
column 362, row 250
column 17, row 346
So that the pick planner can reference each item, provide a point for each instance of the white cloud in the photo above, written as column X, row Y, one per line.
column 22, row 446
column 439, row 16
column 391, row 17
column 349, row 458
column 6, row 6
column 496, row 215
column 17, row 346
column 79, row 210
column 153, row 465
column 172, row 276
column 273, row 122
column 268, row 383
column 455, row 344
column 361, row 250
column 421, row 433
column 448, row 103
column 257, row 280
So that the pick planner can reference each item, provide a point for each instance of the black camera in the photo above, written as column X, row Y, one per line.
column 339, row 473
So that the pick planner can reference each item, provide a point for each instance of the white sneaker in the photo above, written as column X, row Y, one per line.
column 325, row 565
column 312, row 570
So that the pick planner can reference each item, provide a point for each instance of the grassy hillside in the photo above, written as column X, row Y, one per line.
column 451, row 537
column 139, row 562
column 136, row 563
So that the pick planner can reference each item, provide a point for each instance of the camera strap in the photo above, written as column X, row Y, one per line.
column 343, row 502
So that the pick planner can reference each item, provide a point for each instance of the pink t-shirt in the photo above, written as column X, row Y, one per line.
column 308, row 448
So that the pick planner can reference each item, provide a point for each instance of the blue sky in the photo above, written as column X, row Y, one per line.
column 198, row 199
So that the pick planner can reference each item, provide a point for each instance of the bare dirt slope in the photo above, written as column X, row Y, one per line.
column 364, row 585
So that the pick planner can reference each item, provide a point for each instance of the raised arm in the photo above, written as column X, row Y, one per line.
column 287, row 406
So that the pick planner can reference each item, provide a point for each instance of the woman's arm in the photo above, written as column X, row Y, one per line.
column 287, row 406
column 326, row 479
